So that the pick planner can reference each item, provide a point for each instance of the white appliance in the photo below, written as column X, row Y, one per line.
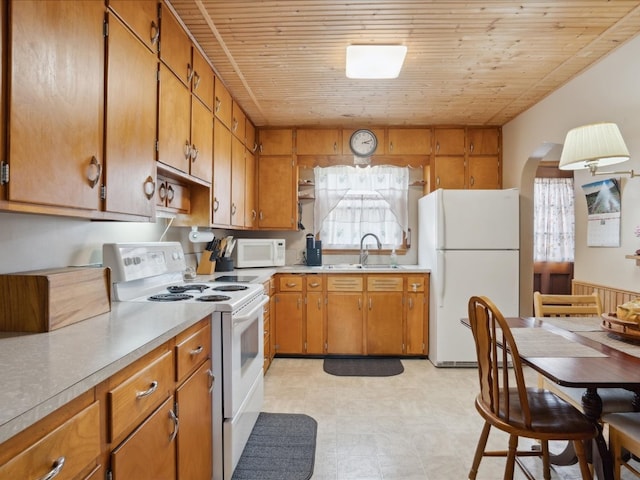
column 259, row 252
column 153, row 272
column 470, row 241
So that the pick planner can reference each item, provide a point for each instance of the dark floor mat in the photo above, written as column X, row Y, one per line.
column 282, row 446
column 363, row 367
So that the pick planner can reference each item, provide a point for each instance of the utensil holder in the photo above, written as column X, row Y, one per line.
column 206, row 265
column 224, row 264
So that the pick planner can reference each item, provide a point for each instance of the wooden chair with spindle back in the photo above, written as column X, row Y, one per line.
column 505, row 402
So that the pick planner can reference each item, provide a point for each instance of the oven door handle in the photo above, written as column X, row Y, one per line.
column 251, row 314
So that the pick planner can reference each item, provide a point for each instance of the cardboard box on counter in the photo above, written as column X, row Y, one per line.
column 45, row 300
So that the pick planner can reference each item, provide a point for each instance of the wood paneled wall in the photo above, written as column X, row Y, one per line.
column 610, row 297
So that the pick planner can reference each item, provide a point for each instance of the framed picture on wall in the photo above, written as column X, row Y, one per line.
column 603, row 205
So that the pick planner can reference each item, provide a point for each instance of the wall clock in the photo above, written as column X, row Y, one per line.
column 363, row 142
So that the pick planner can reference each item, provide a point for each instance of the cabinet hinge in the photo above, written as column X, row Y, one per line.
column 175, row 409
column 103, row 192
column 105, row 28
column 4, row 173
column 109, row 475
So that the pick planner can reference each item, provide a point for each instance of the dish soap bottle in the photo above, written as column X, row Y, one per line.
column 393, row 259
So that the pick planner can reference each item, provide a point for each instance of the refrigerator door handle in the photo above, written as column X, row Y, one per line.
column 440, row 276
column 440, row 219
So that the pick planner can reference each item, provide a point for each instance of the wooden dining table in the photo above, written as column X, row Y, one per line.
column 577, row 352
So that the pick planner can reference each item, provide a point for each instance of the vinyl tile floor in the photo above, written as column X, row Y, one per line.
column 421, row 424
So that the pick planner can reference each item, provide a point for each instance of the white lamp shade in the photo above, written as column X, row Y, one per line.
column 593, row 145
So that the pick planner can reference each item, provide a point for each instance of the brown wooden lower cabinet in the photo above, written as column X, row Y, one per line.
column 128, row 425
column 351, row 314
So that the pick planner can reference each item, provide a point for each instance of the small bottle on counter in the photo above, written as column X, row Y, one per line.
column 393, row 259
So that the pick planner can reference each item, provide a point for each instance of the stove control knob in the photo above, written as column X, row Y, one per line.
column 137, row 260
column 127, row 261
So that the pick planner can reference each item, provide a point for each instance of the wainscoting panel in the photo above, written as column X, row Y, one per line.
column 610, row 297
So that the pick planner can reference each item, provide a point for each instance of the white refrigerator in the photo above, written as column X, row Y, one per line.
column 470, row 241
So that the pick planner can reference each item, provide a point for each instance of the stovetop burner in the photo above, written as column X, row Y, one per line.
column 213, row 298
column 170, row 297
column 185, row 288
column 230, row 288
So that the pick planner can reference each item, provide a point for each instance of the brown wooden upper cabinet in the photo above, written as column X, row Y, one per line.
column 250, row 136
column 141, row 18
column 277, row 141
column 238, row 122
column 449, row 141
column 175, row 46
column 223, row 104
column 318, row 141
column 483, row 141
column 202, row 80
column 408, row 141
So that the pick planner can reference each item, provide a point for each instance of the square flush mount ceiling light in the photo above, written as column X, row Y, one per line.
column 375, row 61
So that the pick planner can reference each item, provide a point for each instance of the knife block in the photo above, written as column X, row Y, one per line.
column 206, row 265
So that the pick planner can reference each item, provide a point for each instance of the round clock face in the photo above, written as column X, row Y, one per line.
column 363, row 143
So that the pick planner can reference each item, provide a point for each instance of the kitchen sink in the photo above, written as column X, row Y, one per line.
column 359, row 266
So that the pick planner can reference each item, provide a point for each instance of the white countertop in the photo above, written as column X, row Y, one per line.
column 43, row 371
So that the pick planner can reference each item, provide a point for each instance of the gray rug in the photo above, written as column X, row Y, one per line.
column 363, row 367
column 282, row 446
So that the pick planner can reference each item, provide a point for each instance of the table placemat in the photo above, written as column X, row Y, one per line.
column 537, row 342
column 613, row 341
column 575, row 324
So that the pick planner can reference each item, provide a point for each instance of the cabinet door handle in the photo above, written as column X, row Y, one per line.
column 335, row 146
column 155, row 33
column 196, row 80
column 94, row 170
column 162, row 191
column 291, row 284
column 187, row 150
column 471, row 181
column 235, row 125
column 410, row 303
column 216, row 204
column 149, row 187
column 149, row 391
column 299, row 302
column 212, row 377
column 254, row 214
column 255, row 147
column 370, row 303
column 170, row 194
column 438, row 181
column 391, row 146
column 261, row 215
column 57, row 467
column 218, row 103
column 194, row 153
column 190, row 73
column 359, row 304
column 196, row 351
column 319, row 304
column 415, row 286
column 233, row 209
column 437, row 147
column 176, row 425
column 471, row 148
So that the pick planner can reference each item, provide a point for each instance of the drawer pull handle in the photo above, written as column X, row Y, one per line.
column 146, row 393
column 314, row 284
column 212, row 377
column 176, row 425
column 57, row 467
column 197, row 351
column 291, row 284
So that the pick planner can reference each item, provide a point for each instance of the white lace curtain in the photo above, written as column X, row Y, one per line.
column 353, row 200
column 553, row 220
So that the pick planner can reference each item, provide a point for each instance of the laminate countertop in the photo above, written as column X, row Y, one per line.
column 40, row 372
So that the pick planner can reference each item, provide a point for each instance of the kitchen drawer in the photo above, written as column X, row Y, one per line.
column 137, row 396
column 344, row 283
column 416, row 283
column 314, row 283
column 77, row 441
column 384, row 283
column 192, row 348
column 290, row 283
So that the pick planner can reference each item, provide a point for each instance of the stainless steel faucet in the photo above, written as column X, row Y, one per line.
column 364, row 254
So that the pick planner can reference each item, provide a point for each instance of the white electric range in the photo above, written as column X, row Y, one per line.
column 153, row 272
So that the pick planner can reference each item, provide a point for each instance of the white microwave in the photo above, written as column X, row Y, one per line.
column 259, row 252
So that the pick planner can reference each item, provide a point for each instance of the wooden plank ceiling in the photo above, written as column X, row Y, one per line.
column 468, row 62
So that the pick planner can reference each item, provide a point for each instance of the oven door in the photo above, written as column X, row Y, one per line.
column 243, row 354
